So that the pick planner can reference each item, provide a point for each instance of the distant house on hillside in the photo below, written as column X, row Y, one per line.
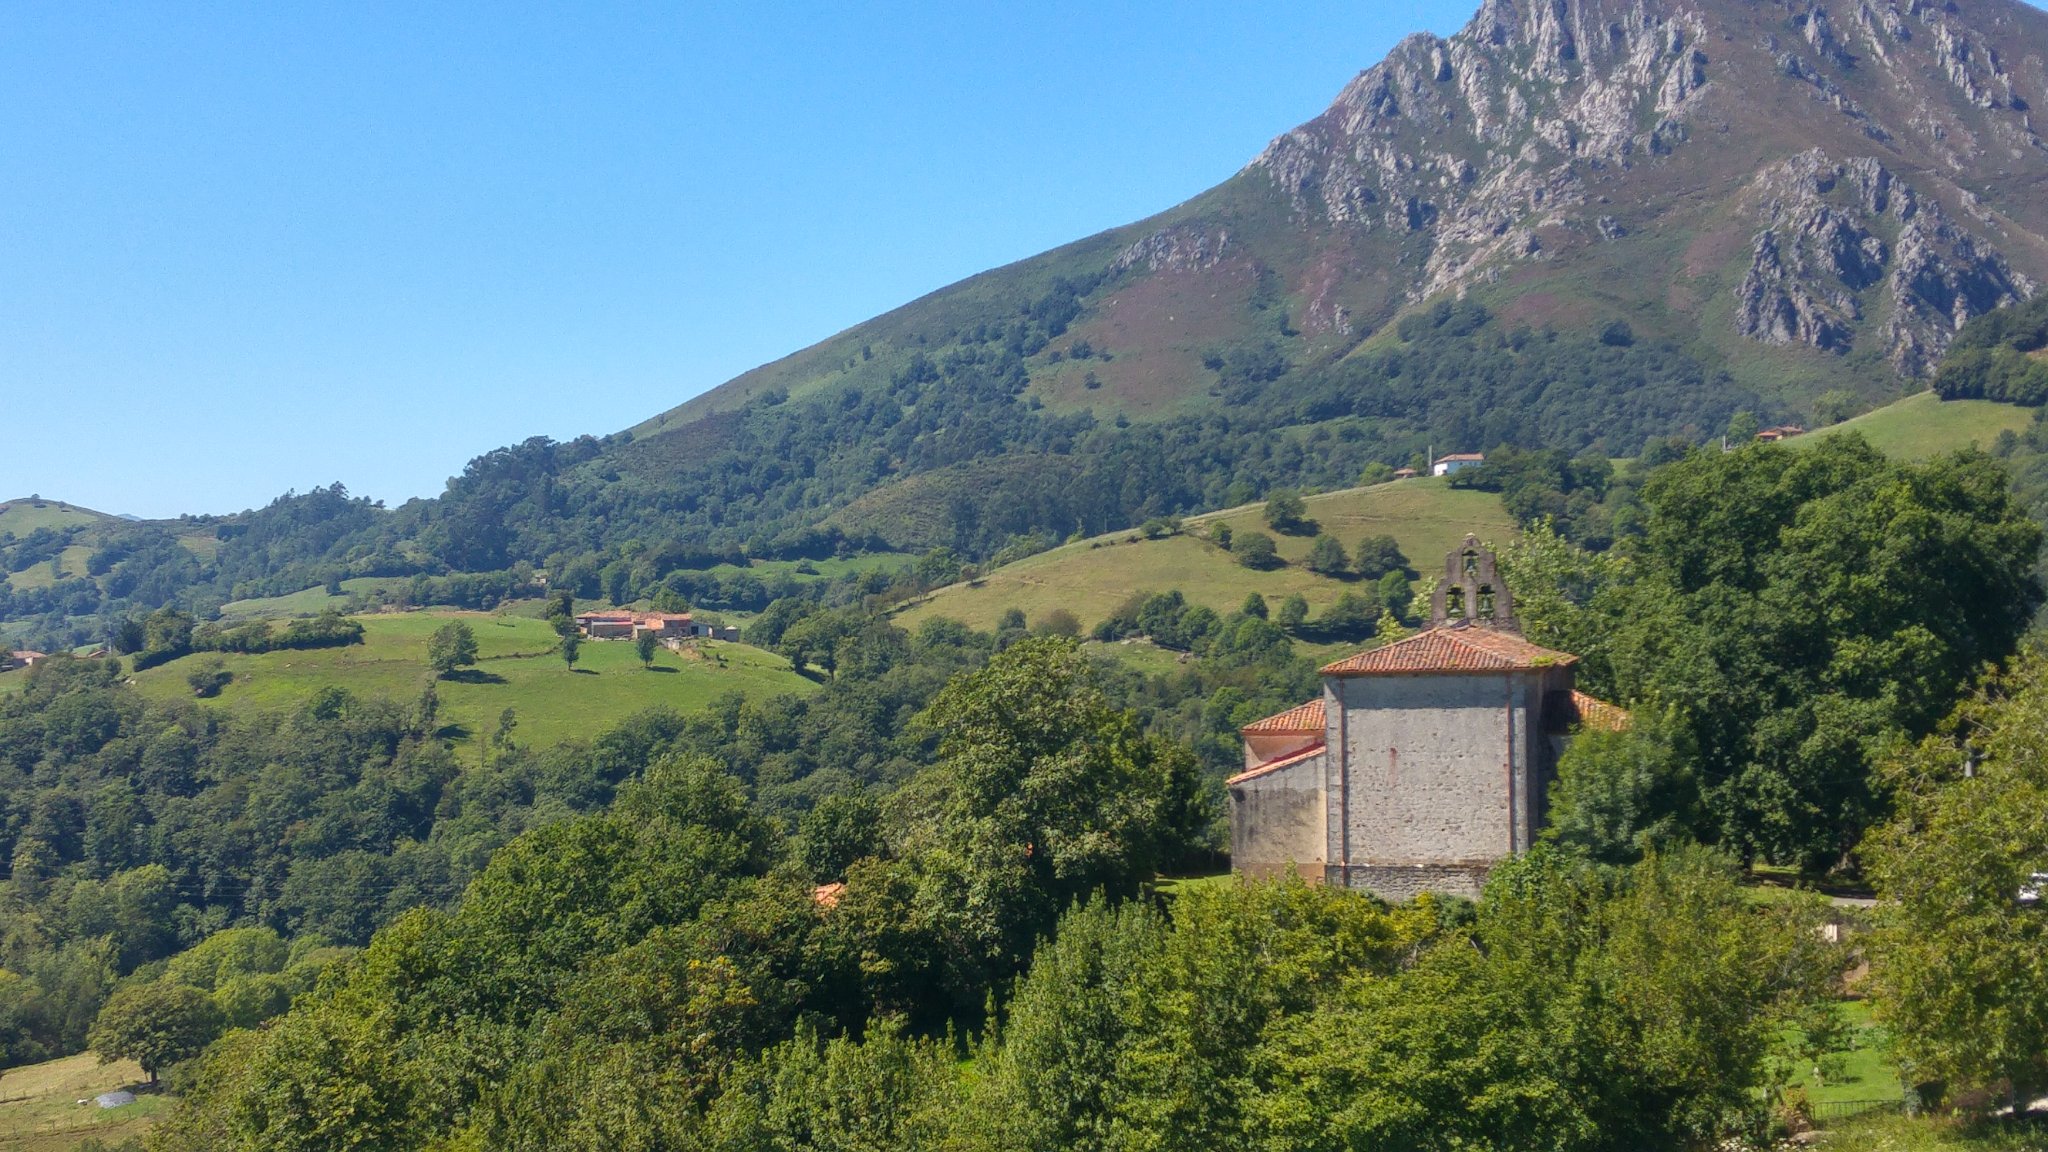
column 1405, row 473
column 607, row 625
column 21, row 659
column 1781, row 432
column 663, row 624
column 1456, row 462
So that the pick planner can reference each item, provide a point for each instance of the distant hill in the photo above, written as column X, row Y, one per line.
column 1924, row 425
column 1091, row 578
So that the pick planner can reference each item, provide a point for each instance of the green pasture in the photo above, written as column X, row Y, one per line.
column 1925, row 425
column 519, row 667
column 1091, row 578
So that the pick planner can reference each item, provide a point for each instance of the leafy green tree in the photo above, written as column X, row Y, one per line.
column 155, row 1025
column 1293, row 612
column 1378, row 555
column 1794, row 611
column 1044, row 793
column 1834, row 406
column 572, row 648
column 207, row 681
column 1956, row 960
column 1255, row 550
column 644, row 645
column 1327, row 556
column 1254, row 605
column 1620, row 795
column 843, row 828
column 1397, row 594
column 1287, row 513
column 452, row 646
column 1221, row 535
column 1060, row 622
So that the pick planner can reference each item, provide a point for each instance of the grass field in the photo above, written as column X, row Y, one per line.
column 311, row 601
column 1924, row 425
column 1091, row 578
column 517, row 668
column 39, row 1109
column 24, row 516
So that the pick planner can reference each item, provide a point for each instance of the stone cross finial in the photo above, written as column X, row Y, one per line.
column 1471, row 591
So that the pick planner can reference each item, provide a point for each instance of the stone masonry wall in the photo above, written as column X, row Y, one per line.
column 1438, row 769
column 1277, row 820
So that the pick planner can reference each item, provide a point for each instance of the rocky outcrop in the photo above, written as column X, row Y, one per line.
column 1186, row 248
column 1837, row 235
column 1483, row 140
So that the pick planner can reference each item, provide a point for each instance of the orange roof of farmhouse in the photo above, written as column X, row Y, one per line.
column 1454, row 648
column 1300, row 718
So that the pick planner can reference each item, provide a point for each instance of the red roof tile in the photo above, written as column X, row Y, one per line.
column 1450, row 649
column 1300, row 718
column 1597, row 714
column 1272, row 766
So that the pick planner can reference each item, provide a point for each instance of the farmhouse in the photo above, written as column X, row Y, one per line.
column 1781, row 432
column 1456, row 462
column 663, row 624
column 607, row 625
column 1425, row 762
column 21, row 659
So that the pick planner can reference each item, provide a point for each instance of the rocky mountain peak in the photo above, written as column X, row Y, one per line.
column 1505, row 143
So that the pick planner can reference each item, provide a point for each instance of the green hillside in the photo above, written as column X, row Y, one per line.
column 27, row 514
column 40, row 1109
column 1092, row 577
column 518, row 668
column 1925, row 425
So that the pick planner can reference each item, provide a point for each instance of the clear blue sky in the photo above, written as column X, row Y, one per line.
column 253, row 247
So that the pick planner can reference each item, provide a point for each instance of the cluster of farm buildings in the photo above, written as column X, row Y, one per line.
column 666, row 626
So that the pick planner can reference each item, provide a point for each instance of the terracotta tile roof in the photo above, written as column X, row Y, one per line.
column 1461, row 456
column 1300, row 718
column 1457, row 648
column 1598, row 714
column 827, row 896
column 1272, row 766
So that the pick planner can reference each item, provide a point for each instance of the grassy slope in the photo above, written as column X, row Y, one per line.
column 39, row 1109
column 1092, row 577
column 518, row 669
column 1924, row 425
column 24, row 516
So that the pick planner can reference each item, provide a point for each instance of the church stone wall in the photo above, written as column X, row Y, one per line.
column 1439, row 776
column 1277, row 821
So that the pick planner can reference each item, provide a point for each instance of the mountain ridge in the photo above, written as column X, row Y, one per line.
column 1546, row 130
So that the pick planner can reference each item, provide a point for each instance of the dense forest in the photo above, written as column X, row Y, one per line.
column 674, row 934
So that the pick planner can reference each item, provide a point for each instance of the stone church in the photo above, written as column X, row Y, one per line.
column 1425, row 762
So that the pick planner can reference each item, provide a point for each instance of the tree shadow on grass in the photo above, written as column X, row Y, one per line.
column 456, row 732
column 659, row 668
column 584, row 671
column 473, row 676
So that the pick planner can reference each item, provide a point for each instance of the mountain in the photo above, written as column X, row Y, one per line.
column 1803, row 195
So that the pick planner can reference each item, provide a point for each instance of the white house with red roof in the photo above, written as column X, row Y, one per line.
column 1426, row 761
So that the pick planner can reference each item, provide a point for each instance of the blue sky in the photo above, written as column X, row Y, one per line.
column 247, row 248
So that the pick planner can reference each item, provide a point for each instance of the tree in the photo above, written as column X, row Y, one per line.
column 1293, row 612
column 1834, row 406
column 1326, row 556
column 1255, row 550
column 1254, row 605
column 1956, row 960
column 1620, row 795
column 572, row 647
column 207, row 681
column 155, row 1025
column 507, row 721
column 644, row 645
column 1397, row 593
column 843, row 828
column 452, row 646
column 1378, row 555
column 1286, row 513
column 1060, row 622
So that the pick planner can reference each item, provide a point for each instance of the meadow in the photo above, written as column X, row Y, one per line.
column 40, row 1109
column 518, row 667
column 1091, row 578
column 1924, row 425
